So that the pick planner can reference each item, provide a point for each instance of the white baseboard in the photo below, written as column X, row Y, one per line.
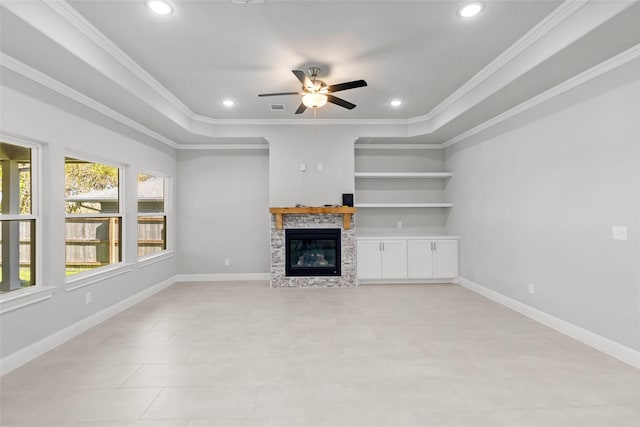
column 404, row 281
column 25, row 355
column 605, row 345
column 223, row 277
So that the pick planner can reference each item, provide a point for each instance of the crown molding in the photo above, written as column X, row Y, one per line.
column 551, row 21
column 84, row 27
column 24, row 70
column 80, row 23
column 224, row 147
column 299, row 122
column 518, row 58
column 575, row 81
column 398, row 146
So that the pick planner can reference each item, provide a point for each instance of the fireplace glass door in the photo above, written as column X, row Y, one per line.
column 313, row 252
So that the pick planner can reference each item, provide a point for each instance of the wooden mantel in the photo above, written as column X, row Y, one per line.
column 315, row 210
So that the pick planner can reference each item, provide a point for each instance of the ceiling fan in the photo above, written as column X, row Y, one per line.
column 315, row 93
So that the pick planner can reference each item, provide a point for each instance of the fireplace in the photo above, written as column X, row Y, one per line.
column 340, row 223
column 313, row 252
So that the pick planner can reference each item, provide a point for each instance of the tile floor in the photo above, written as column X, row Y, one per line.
column 242, row 354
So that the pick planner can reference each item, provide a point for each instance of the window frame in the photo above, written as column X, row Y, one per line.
column 37, row 292
column 93, row 275
column 168, row 250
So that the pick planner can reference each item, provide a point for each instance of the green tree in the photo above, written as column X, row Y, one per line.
column 82, row 177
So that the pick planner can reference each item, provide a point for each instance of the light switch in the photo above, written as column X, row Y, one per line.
column 320, row 167
column 303, row 167
column 619, row 232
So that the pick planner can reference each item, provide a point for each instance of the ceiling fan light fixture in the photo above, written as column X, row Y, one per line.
column 160, row 7
column 314, row 100
column 471, row 9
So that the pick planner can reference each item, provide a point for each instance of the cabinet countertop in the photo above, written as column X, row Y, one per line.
column 407, row 237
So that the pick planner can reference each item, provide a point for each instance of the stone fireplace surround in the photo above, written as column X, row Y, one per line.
column 313, row 220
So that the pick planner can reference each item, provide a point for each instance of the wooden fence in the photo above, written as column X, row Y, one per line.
column 94, row 242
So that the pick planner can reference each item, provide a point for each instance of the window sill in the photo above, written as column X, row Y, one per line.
column 85, row 279
column 24, row 297
column 155, row 258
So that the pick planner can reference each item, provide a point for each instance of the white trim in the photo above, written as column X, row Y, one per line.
column 20, row 298
column 612, row 348
column 16, row 139
column 224, row 147
column 18, row 217
column 403, row 205
column 398, row 146
column 405, row 281
column 545, row 27
column 401, row 175
column 80, row 280
column 90, row 157
column 104, row 215
column 148, row 260
column 223, row 277
column 25, row 355
column 297, row 121
column 24, row 70
column 575, row 81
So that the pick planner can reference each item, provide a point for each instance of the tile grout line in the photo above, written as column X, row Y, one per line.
column 151, row 403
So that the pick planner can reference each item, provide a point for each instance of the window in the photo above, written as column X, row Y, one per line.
column 18, row 222
column 93, row 224
column 152, row 217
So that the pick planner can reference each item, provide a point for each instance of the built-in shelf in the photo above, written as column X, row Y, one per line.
column 404, row 205
column 432, row 175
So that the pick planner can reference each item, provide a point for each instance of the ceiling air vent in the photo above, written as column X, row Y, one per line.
column 276, row 107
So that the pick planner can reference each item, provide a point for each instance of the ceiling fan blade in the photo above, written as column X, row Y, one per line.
column 301, row 108
column 301, row 75
column 341, row 102
column 278, row 94
column 348, row 85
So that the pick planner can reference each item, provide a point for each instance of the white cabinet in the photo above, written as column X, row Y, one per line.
column 382, row 259
column 414, row 258
column 432, row 258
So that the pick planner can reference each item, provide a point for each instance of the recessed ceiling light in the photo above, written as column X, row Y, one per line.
column 160, row 7
column 471, row 9
column 396, row 103
column 228, row 103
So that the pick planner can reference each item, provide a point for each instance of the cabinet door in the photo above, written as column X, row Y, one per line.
column 445, row 258
column 369, row 259
column 394, row 259
column 420, row 259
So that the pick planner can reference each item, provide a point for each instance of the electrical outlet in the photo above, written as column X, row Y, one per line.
column 399, row 224
column 532, row 288
column 227, row 262
column 88, row 298
column 619, row 232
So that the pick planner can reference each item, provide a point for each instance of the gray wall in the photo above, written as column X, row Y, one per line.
column 536, row 197
column 61, row 131
column 223, row 206
column 331, row 146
